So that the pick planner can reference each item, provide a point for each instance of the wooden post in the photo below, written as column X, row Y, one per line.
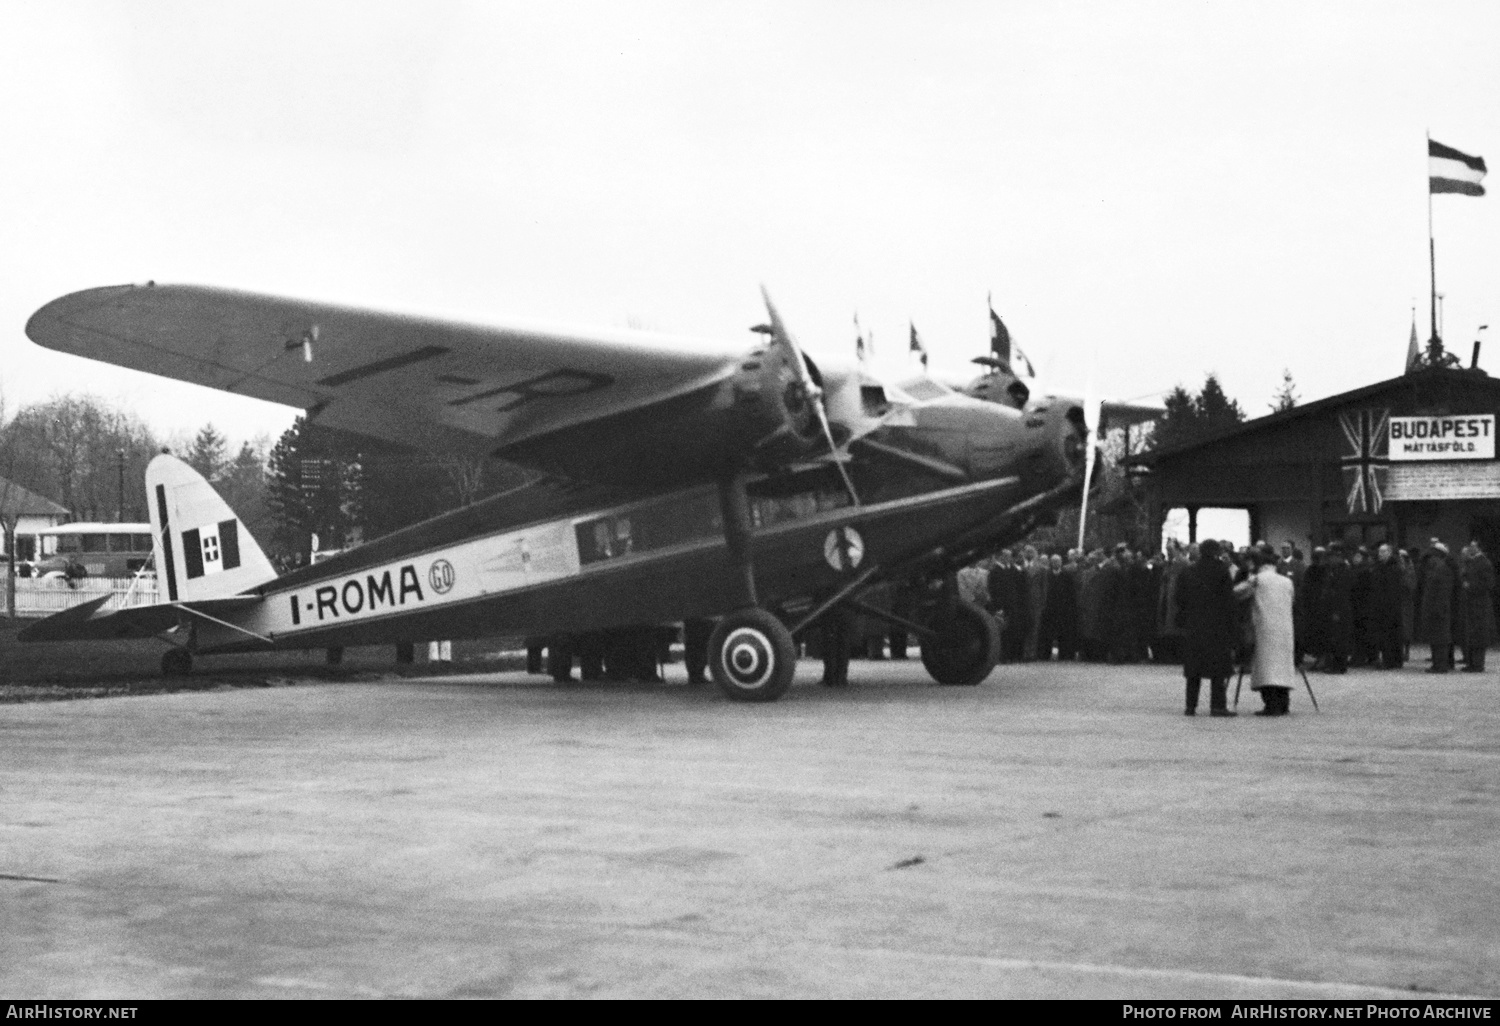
column 10, row 567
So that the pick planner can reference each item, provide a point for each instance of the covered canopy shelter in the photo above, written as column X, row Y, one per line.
column 1403, row 460
column 25, row 512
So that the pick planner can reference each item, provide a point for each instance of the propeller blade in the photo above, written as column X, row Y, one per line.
column 780, row 335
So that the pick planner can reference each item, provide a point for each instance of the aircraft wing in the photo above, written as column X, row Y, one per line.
column 85, row 622
column 442, row 385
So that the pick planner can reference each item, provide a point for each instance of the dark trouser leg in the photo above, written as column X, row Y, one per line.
column 898, row 640
column 695, row 634
column 1218, row 697
column 646, row 656
column 590, row 656
column 835, row 650
column 559, row 659
column 1391, row 649
column 1194, row 685
column 533, row 658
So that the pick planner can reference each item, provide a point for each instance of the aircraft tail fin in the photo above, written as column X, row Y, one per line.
column 202, row 549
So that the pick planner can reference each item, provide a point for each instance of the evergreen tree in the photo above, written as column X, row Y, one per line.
column 1216, row 410
column 1190, row 417
column 1286, row 396
column 209, row 453
column 242, row 484
column 1179, row 424
column 311, row 489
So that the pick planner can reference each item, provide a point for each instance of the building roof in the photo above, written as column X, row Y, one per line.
column 1470, row 377
column 16, row 501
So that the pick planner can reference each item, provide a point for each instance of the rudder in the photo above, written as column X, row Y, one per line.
column 202, row 548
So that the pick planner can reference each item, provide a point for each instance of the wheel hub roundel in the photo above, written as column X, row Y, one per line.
column 749, row 659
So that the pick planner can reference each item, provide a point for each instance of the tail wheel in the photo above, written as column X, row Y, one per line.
column 752, row 656
column 967, row 646
column 176, row 662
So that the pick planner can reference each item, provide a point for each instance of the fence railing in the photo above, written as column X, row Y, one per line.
column 43, row 596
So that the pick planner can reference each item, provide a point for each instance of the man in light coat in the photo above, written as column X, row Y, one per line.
column 1271, row 597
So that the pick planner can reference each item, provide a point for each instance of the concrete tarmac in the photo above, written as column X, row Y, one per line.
column 1060, row 831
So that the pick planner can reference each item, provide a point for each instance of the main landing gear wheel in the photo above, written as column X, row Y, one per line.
column 752, row 656
column 176, row 662
column 967, row 646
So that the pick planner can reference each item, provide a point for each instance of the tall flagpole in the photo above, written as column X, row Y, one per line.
column 1434, row 344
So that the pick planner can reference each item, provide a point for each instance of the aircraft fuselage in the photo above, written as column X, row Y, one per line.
column 574, row 560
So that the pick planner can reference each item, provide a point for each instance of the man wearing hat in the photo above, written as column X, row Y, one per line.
column 1205, row 607
column 1439, row 580
column 1336, row 610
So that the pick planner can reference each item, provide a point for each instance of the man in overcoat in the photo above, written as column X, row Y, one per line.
column 1478, row 590
column 1008, row 598
column 1092, row 628
column 1314, row 639
column 1205, row 608
column 1438, row 584
column 1335, row 610
column 1037, row 577
column 1385, row 608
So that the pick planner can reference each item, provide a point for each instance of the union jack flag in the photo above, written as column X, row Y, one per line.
column 1367, row 453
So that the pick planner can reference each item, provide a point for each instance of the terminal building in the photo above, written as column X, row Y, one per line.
column 1401, row 461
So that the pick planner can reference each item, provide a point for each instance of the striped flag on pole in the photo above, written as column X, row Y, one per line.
column 917, row 346
column 1451, row 171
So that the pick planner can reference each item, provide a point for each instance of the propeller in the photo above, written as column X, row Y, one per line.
column 779, row 335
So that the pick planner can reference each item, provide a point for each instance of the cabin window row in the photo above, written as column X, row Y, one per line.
column 696, row 517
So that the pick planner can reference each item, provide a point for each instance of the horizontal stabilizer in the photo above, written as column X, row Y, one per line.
column 84, row 622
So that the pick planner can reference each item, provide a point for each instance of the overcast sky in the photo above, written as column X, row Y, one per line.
column 1179, row 187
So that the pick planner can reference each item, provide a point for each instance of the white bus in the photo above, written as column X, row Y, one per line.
column 102, row 550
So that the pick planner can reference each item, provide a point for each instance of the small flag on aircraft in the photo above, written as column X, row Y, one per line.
column 1451, row 171
column 1413, row 351
column 916, row 345
column 999, row 337
column 1002, row 346
column 208, row 550
column 1030, row 370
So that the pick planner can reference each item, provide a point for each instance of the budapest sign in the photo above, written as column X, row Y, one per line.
column 1469, row 437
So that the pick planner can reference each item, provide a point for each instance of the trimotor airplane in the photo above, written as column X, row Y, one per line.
column 684, row 480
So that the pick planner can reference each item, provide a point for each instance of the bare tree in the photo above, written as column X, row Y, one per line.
column 467, row 475
column 89, row 456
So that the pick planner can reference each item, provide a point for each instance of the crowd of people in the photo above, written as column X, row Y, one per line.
column 1210, row 608
column 1349, row 605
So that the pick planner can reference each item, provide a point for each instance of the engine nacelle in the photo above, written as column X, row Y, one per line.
column 775, row 418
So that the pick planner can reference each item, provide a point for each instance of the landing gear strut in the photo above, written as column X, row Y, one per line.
column 176, row 662
column 751, row 654
column 964, row 646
